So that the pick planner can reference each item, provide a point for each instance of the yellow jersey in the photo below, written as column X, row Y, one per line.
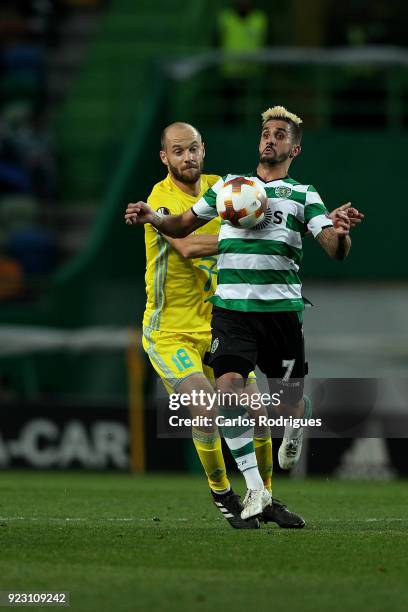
column 177, row 288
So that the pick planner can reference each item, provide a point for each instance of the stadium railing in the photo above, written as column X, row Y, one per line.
column 42, row 366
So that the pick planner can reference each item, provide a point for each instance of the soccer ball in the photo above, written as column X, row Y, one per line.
column 239, row 204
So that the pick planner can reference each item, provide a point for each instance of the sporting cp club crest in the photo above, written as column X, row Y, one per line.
column 283, row 192
column 214, row 345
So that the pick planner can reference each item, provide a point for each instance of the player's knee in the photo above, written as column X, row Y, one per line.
column 230, row 387
column 230, row 383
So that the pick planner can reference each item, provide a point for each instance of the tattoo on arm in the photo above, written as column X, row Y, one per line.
column 157, row 218
column 335, row 246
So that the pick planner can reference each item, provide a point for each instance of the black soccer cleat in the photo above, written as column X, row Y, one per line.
column 230, row 506
column 278, row 513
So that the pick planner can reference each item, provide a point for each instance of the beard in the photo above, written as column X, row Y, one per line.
column 272, row 158
column 188, row 176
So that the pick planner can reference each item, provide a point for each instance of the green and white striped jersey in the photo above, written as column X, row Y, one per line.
column 258, row 268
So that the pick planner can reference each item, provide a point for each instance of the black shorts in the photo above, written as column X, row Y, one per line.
column 271, row 340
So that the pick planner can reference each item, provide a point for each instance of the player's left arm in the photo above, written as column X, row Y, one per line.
column 195, row 245
column 336, row 240
column 331, row 234
column 354, row 215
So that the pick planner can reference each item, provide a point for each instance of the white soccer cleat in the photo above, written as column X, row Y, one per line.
column 255, row 502
column 290, row 449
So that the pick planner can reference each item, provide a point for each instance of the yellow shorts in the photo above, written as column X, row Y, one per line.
column 177, row 355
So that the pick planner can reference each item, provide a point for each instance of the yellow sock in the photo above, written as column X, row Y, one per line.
column 208, row 446
column 263, row 451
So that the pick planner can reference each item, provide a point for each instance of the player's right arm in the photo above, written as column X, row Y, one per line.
column 176, row 226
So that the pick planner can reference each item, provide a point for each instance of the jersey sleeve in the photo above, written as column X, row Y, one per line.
column 158, row 200
column 316, row 214
column 205, row 208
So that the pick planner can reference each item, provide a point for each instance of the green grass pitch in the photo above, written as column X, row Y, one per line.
column 122, row 542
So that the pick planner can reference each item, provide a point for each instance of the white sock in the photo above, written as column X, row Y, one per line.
column 243, row 451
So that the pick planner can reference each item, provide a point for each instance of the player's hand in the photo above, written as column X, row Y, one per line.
column 341, row 223
column 354, row 215
column 138, row 213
